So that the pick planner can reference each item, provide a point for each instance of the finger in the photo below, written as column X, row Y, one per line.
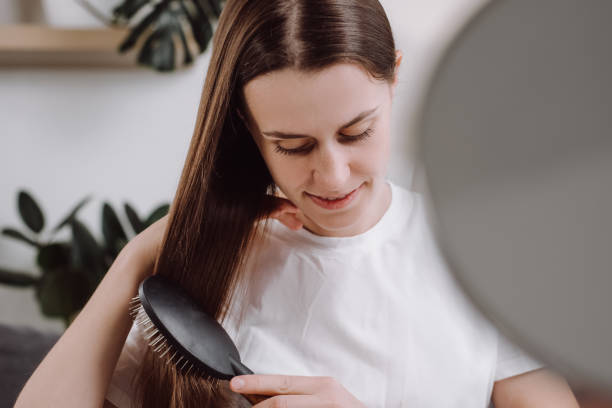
column 291, row 221
column 273, row 204
column 291, row 401
column 283, row 205
column 287, row 213
column 278, row 384
column 255, row 399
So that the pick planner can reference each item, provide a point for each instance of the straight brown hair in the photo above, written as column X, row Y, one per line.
column 225, row 186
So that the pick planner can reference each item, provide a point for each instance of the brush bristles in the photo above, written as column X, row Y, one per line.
column 158, row 343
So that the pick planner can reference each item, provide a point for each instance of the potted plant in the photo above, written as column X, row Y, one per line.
column 69, row 270
column 172, row 31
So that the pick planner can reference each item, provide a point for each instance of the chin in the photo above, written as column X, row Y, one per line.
column 335, row 223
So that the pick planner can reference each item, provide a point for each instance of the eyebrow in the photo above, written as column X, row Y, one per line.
column 356, row 119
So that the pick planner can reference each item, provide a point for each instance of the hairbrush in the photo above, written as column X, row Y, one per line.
column 175, row 325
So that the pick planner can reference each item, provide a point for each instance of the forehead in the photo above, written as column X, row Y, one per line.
column 292, row 100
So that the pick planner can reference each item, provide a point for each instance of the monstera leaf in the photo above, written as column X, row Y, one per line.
column 166, row 29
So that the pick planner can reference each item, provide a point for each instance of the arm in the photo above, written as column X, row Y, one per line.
column 77, row 370
column 536, row 389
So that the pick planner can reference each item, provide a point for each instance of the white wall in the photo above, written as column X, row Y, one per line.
column 123, row 134
column 69, row 133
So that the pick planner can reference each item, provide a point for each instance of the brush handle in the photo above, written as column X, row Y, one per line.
column 239, row 368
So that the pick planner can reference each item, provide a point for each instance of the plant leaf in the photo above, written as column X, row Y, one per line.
column 87, row 252
column 62, row 292
column 215, row 6
column 126, row 10
column 54, row 256
column 72, row 214
column 157, row 213
column 113, row 232
column 13, row 233
column 30, row 212
column 132, row 216
column 158, row 50
column 178, row 27
column 17, row 279
column 137, row 31
column 200, row 26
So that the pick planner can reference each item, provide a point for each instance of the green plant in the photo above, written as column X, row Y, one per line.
column 70, row 270
column 167, row 28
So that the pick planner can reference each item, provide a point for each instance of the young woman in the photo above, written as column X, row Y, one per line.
column 285, row 228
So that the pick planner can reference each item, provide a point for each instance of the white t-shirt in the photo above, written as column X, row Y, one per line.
column 377, row 311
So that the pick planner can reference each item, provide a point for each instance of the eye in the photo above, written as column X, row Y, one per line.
column 308, row 147
column 355, row 138
column 298, row 150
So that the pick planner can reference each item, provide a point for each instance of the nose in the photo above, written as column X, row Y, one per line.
column 331, row 169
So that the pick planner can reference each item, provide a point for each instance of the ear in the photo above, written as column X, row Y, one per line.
column 398, row 61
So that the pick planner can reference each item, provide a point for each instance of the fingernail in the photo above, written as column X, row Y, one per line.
column 237, row 383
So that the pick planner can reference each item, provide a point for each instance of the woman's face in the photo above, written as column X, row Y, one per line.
column 324, row 136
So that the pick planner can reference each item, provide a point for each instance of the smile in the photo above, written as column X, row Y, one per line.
column 334, row 203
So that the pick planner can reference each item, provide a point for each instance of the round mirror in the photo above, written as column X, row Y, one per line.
column 516, row 147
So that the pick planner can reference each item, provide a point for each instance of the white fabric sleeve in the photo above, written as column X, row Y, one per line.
column 512, row 360
column 120, row 391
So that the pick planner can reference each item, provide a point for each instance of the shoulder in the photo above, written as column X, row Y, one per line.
column 512, row 360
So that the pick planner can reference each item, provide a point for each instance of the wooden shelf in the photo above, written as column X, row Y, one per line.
column 36, row 45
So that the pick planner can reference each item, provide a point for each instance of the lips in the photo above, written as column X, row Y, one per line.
column 334, row 203
column 332, row 198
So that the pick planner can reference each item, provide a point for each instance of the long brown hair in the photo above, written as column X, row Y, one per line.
column 225, row 185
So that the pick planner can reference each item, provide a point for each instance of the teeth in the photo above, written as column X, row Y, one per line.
column 333, row 198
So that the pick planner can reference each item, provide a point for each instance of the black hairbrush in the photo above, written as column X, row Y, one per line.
column 174, row 325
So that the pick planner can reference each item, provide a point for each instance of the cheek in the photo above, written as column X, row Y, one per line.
column 374, row 156
column 383, row 148
column 373, row 159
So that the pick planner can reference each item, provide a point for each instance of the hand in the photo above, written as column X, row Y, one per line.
column 286, row 212
column 144, row 247
column 295, row 391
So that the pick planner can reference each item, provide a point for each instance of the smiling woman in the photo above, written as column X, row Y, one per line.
column 351, row 305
